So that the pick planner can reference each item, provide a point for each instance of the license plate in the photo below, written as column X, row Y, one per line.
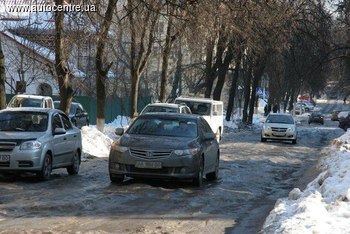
column 279, row 134
column 149, row 165
column 4, row 158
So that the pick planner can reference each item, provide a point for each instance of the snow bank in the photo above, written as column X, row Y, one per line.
column 324, row 206
column 98, row 144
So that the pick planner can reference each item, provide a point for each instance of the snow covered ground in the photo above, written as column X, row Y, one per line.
column 98, row 144
column 324, row 206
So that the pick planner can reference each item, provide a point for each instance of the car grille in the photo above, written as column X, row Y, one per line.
column 7, row 146
column 164, row 170
column 150, row 154
column 279, row 129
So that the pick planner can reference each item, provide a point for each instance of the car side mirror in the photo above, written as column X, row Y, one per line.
column 119, row 131
column 209, row 136
column 59, row 131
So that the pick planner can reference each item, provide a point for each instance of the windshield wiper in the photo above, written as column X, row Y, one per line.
column 20, row 129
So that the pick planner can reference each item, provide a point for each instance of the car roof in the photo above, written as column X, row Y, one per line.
column 171, row 105
column 74, row 103
column 170, row 115
column 32, row 109
column 204, row 100
column 280, row 114
column 31, row 96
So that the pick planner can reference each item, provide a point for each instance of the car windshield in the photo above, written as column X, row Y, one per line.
column 25, row 102
column 160, row 109
column 171, row 127
column 197, row 108
column 23, row 121
column 316, row 114
column 282, row 119
column 72, row 108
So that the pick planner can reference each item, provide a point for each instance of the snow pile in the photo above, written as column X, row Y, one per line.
column 258, row 120
column 98, row 144
column 343, row 114
column 302, row 118
column 94, row 142
column 233, row 123
column 324, row 206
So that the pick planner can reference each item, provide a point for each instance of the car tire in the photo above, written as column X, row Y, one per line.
column 263, row 139
column 198, row 180
column 116, row 179
column 294, row 142
column 215, row 174
column 87, row 123
column 74, row 168
column 45, row 173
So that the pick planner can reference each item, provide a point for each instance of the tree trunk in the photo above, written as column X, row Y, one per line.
column 2, row 79
column 64, row 80
column 178, row 74
column 101, row 72
column 247, row 92
column 222, row 73
column 208, row 67
column 231, row 100
column 257, row 75
column 166, row 54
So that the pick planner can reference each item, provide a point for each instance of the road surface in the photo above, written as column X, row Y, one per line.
column 253, row 176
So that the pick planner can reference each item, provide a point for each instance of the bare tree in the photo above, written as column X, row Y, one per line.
column 2, row 79
column 101, row 71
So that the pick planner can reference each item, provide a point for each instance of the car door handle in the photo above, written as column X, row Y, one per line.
column 65, row 138
column 75, row 135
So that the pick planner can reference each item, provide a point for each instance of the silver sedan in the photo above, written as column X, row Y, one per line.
column 279, row 127
column 38, row 140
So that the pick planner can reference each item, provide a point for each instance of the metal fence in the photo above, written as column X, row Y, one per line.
column 114, row 107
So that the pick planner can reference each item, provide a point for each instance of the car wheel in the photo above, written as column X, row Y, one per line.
column 116, row 179
column 198, row 181
column 46, row 169
column 294, row 142
column 87, row 123
column 74, row 169
column 218, row 135
column 215, row 174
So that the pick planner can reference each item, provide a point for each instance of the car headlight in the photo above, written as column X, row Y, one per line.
column 267, row 127
column 121, row 149
column 186, row 152
column 291, row 129
column 29, row 145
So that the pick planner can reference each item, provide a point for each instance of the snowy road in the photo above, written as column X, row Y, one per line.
column 253, row 176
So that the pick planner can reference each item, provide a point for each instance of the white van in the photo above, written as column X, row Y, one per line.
column 31, row 101
column 212, row 112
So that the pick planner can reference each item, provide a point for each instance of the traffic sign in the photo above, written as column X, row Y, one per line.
column 260, row 91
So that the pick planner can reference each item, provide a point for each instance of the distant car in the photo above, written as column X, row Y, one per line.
column 316, row 117
column 279, row 127
column 31, row 101
column 306, row 105
column 297, row 110
column 77, row 114
column 335, row 116
column 211, row 110
column 38, row 140
column 165, row 145
column 166, row 107
column 344, row 123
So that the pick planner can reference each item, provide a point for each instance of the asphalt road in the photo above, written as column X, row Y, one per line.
column 253, row 176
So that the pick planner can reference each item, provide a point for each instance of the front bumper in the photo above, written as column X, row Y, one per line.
column 269, row 134
column 173, row 166
column 22, row 160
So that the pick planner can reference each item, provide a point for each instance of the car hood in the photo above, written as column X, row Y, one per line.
column 157, row 142
column 278, row 125
column 20, row 136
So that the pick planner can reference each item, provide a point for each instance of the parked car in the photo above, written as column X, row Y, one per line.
column 335, row 116
column 77, row 114
column 306, row 105
column 279, row 127
column 344, row 123
column 31, row 101
column 297, row 110
column 210, row 110
column 165, row 145
column 166, row 107
column 316, row 117
column 38, row 140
